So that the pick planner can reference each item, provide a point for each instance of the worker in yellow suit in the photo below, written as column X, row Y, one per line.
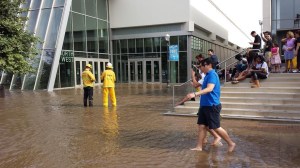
column 109, row 78
column 88, row 83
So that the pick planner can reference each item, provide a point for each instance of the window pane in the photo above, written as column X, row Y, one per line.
column 32, row 20
column 123, row 46
column 139, row 45
column 90, row 6
column 101, row 8
column 79, row 33
column 66, row 74
column 148, row 44
column 102, row 36
column 91, row 29
column 68, row 41
column 42, row 25
column 59, row 3
column 53, row 28
column 131, row 45
column 47, row 4
column 78, row 6
column 182, row 43
column 45, row 68
column 36, row 4
column 156, row 44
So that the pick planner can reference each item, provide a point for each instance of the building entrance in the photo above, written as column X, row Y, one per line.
column 98, row 66
column 144, row 70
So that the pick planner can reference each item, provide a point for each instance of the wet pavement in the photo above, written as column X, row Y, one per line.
column 41, row 129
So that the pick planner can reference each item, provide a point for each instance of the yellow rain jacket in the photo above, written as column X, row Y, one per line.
column 88, row 78
column 108, row 77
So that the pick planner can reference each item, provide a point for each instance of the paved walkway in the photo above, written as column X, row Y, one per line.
column 41, row 129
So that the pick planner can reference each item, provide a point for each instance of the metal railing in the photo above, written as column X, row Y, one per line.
column 229, row 65
column 187, row 84
column 181, row 85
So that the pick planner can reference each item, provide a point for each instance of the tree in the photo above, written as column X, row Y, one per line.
column 17, row 46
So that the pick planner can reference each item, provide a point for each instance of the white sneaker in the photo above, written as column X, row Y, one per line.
column 294, row 71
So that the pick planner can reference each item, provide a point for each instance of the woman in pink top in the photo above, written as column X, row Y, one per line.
column 275, row 59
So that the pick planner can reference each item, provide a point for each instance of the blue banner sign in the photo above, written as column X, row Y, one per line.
column 174, row 54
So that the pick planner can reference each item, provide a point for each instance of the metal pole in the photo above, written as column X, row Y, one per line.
column 173, row 96
column 168, row 55
column 225, row 73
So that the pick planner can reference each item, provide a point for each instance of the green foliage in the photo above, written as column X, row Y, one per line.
column 17, row 46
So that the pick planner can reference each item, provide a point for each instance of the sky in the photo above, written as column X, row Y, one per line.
column 244, row 13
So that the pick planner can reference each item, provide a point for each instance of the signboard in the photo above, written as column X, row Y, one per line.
column 173, row 53
column 66, row 56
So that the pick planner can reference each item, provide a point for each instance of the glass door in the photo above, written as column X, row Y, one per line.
column 144, row 70
column 98, row 66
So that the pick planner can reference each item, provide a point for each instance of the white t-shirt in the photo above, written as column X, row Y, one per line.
column 202, row 78
column 264, row 65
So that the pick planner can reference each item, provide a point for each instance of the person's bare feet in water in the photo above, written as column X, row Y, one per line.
column 231, row 147
column 197, row 149
column 217, row 142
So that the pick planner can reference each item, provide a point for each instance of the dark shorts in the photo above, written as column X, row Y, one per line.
column 209, row 116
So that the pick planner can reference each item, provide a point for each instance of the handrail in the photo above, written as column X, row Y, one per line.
column 223, row 62
column 178, row 86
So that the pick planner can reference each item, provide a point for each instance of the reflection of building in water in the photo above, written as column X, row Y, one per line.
column 110, row 129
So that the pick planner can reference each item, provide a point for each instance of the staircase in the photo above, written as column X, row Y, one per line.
column 278, row 98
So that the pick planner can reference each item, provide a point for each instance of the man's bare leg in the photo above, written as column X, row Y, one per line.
column 225, row 136
column 201, row 136
column 217, row 138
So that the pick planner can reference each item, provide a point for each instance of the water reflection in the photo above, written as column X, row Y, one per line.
column 110, row 129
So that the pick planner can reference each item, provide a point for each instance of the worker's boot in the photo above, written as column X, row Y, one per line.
column 90, row 102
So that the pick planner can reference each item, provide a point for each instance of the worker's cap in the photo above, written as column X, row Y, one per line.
column 109, row 65
column 89, row 66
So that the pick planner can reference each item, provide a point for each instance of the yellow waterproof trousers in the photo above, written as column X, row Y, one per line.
column 111, row 91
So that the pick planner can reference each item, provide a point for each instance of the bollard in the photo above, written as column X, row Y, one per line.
column 2, row 91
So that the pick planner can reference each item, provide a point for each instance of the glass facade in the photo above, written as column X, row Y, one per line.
column 86, row 39
column 135, row 58
column 200, row 46
column 285, row 14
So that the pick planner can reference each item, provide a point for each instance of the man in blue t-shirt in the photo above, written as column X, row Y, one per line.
column 210, row 106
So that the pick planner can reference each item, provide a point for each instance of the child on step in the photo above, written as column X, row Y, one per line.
column 275, row 59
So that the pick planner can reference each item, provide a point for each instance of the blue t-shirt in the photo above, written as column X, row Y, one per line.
column 212, row 98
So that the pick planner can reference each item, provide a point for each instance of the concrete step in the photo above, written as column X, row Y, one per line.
column 265, row 84
column 262, row 89
column 262, row 113
column 282, row 79
column 291, row 114
column 262, row 106
column 260, row 100
column 250, row 100
column 293, row 75
column 260, row 94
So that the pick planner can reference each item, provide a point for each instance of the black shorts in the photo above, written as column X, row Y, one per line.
column 209, row 116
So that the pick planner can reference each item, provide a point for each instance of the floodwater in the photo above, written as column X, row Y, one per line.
column 54, row 130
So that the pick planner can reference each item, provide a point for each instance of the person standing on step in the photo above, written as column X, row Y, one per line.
column 109, row 78
column 289, row 51
column 88, row 83
column 256, row 44
column 297, row 50
column 210, row 107
column 214, row 59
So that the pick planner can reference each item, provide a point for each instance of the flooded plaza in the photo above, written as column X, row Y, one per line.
column 53, row 130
